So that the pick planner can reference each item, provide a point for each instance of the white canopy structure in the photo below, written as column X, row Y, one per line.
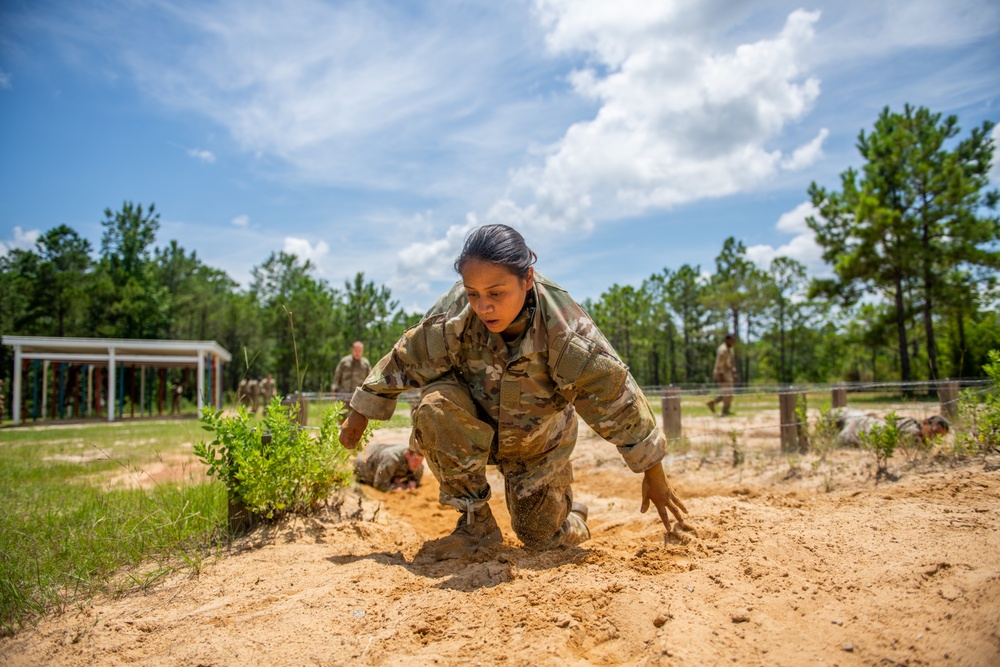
column 110, row 355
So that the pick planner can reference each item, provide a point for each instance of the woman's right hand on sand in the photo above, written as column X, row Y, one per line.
column 352, row 429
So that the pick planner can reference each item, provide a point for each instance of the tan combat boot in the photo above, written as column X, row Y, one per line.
column 574, row 529
column 469, row 536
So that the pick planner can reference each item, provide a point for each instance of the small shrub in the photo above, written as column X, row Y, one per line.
column 881, row 440
column 288, row 472
column 980, row 417
column 824, row 432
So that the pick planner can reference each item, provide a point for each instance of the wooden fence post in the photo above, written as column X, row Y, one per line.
column 802, row 422
column 303, row 405
column 786, row 416
column 948, row 395
column 839, row 398
column 671, row 405
column 794, row 436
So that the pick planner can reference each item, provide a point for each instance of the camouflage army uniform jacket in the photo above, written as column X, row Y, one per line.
column 383, row 463
column 561, row 366
column 350, row 373
column 854, row 424
column 725, row 364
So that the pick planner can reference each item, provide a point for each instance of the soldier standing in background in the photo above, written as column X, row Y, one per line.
column 725, row 374
column 351, row 372
column 175, row 404
column 268, row 390
column 242, row 393
column 3, row 405
column 253, row 389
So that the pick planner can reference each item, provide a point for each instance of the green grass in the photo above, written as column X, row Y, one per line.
column 63, row 538
column 400, row 419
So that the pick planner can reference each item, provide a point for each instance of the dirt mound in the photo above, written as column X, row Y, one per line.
column 817, row 567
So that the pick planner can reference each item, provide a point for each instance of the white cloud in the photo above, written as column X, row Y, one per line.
column 420, row 263
column 305, row 250
column 241, row 220
column 23, row 240
column 4, row 79
column 678, row 120
column 201, row 154
column 343, row 93
column 806, row 154
column 802, row 247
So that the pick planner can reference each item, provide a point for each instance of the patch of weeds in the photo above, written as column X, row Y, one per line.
column 881, row 440
column 824, row 432
column 979, row 417
column 276, row 467
column 794, row 466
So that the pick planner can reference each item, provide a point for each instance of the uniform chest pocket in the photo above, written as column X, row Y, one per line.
column 510, row 392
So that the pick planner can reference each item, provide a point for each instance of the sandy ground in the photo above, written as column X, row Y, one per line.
column 797, row 561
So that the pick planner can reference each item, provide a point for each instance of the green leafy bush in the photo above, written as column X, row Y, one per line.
column 275, row 466
column 980, row 417
column 882, row 440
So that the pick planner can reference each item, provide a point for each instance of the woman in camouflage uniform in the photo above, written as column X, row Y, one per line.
column 505, row 361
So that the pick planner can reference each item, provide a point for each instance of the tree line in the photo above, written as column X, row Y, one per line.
column 914, row 244
column 911, row 236
column 288, row 321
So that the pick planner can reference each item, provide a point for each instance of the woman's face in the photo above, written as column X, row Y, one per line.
column 495, row 294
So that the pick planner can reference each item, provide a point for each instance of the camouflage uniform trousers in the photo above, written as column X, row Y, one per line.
column 458, row 442
column 725, row 396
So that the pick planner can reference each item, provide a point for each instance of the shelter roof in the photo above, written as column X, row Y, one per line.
column 125, row 350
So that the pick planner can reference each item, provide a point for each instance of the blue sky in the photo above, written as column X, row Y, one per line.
column 620, row 137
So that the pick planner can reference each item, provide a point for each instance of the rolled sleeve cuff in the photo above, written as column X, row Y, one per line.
column 372, row 405
column 643, row 455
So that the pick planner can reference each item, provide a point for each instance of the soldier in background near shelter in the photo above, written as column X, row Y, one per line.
column 506, row 361
column 852, row 424
column 388, row 467
column 725, row 374
column 253, row 389
column 175, row 403
column 243, row 393
column 268, row 390
column 3, row 404
column 350, row 373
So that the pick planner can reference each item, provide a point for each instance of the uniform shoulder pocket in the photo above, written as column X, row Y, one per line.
column 590, row 371
column 603, row 377
column 573, row 358
column 434, row 339
column 425, row 341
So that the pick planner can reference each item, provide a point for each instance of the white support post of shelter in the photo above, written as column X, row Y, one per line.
column 217, row 376
column 142, row 389
column 17, row 386
column 201, row 379
column 111, row 384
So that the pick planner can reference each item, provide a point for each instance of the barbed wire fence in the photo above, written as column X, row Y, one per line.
column 896, row 391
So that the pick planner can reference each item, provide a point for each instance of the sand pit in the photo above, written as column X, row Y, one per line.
column 797, row 561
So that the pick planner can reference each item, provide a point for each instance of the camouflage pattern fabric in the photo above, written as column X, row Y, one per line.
column 382, row 464
column 515, row 406
column 725, row 364
column 349, row 375
column 267, row 390
column 725, row 375
column 852, row 424
column 253, row 391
